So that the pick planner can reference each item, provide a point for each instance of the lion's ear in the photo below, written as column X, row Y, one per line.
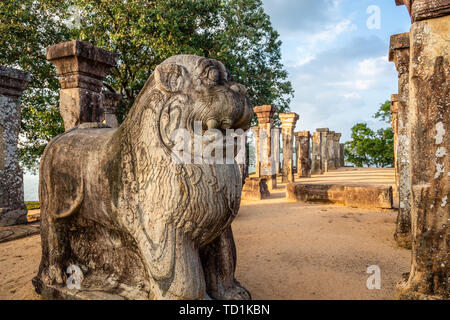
column 170, row 77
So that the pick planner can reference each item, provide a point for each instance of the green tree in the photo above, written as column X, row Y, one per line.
column 369, row 148
column 26, row 28
column 143, row 34
column 384, row 112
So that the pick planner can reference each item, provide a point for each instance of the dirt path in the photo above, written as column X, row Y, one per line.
column 286, row 250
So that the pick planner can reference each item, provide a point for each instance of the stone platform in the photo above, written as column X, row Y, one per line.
column 354, row 187
column 358, row 196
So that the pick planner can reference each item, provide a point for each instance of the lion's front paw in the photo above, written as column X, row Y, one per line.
column 237, row 292
column 54, row 275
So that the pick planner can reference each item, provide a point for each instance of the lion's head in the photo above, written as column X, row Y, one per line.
column 185, row 89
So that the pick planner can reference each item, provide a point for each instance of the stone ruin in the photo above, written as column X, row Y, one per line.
column 424, row 102
column 327, row 151
column 117, row 212
column 12, row 207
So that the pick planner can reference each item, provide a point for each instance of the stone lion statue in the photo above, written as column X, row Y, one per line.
column 133, row 222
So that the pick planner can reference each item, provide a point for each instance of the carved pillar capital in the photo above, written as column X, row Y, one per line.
column 80, row 64
column 81, row 68
column 288, row 120
column 13, row 82
column 265, row 114
column 399, row 52
column 425, row 9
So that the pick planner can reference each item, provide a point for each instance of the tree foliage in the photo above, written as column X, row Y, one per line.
column 384, row 112
column 372, row 148
column 143, row 33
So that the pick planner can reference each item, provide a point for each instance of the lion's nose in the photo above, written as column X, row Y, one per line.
column 212, row 124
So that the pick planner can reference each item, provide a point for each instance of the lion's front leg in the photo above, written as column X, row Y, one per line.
column 219, row 264
column 175, row 268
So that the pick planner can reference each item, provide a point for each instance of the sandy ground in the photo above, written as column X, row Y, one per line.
column 286, row 250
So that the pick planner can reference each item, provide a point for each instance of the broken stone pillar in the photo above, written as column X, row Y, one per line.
column 276, row 149
column 288, row 122
column 315, row 155
column 319, row 151
column 399, row 54
column 255, row 131
column 255, row 189
column 342, row 154
column 81, row 68
column 429, row 126
column 394, row 115
column 323, row 149
column 336, row 149
column 329, row 152
column 12, row 207
column 302, row 149
column 110, row 102
column 267, row 164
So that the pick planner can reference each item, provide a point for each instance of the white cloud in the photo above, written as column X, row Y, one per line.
column 308, row 46
column 351, row 95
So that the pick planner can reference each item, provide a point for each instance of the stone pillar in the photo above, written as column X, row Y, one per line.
column 342, row 155
column 302, row 149
column 399, row 54
column 336, row 149
column 330, row 164
column 267, row 165
column 315, row 156
column 12, row 207
column 255, row 131
column 288, row 122
column 110, row 102
column 394, row 114
column 323, row 149
column 429, row 127
column 81, row 68
column 276, row 149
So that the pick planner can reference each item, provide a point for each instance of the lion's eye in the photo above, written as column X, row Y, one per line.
column 239, row 88
column 213, row 74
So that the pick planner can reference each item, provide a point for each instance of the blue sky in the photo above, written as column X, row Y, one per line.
column 338, row 67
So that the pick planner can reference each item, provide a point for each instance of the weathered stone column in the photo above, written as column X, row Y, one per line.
column 336, row 149
column 399, row 54
column 110, row 102
column 276, row 148
column 12, row 207
column 302, row 143
column 315, row 156
column 394, row 114
column 329, row 152
column 319, row 151
column 255, row 131
column 288, row 122
column 267, row 164
column 342, row 154
column 429, row 126
column 81, row 68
